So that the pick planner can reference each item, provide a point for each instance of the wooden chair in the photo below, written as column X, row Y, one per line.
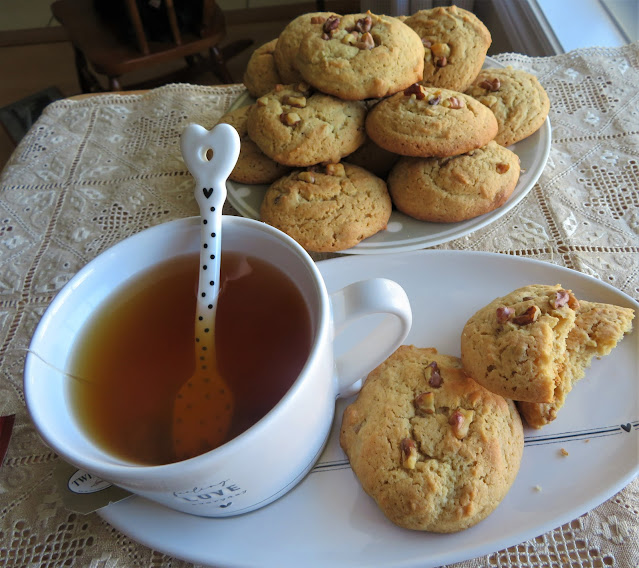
column 124, row 43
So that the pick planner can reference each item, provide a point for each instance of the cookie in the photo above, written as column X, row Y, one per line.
column 373, row 158
column 517, row 100
column 299, row 127
column 435, row 450
column 516, row 345
column 426, row 121
column 597, row 331
column 288, row 43
column 328, row 209
column 361, row 56
column 456, row 42
column 448, row 190
column 261, row 75
column 253, row 166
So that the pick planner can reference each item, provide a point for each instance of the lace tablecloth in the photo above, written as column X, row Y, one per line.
column 92, row 172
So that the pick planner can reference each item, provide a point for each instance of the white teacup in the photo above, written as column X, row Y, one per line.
column 270, row 458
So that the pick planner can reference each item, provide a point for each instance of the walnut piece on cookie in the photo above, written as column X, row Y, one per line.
column 434, row 449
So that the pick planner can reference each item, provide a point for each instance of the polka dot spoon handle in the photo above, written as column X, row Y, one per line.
column 203, row 408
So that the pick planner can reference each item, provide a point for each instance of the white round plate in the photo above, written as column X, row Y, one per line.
column 327, row 520
column 405, row 233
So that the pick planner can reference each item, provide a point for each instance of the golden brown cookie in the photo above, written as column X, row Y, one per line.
column 297, row 126
column 434, row 449
column 424, row 122
column 288, row 43
column 361, row 56
column 253, row 166
column 328, row 209
column 597, row 331
column 261, row 74
column 447, row 190
column 517, row 99
column 373, row 158
column 456, row 43
column 516, row 345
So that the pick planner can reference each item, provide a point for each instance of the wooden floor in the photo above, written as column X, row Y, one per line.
column 28, row 69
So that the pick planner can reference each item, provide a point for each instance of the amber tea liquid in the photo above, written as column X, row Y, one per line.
column 135, row 354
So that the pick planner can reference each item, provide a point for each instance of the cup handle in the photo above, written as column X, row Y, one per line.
column 369, row 297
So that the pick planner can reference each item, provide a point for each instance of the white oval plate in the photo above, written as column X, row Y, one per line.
column 405, row 233
column 328, row 520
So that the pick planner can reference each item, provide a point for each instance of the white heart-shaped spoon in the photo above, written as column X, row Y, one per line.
column 203, row 409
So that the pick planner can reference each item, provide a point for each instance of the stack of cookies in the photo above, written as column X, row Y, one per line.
column 358, row 113
column 437, row 440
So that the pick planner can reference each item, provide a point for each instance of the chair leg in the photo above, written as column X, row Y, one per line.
column 86, row 79
column 219, row 66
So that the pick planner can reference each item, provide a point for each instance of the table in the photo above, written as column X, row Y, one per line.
column 94, row 171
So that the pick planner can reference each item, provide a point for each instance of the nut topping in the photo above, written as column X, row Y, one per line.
column 434, row 99
column 331, row 24
column 415, row 89
column 561, row 299
column 366, row 41
column 426, row 43
column 502, row 168
column 318, row 20
column 409, row 453
column 440, row 61
column 454, row 103
column 364, row 24
column 491, row 84
column 262, row 101
column 504, row 313
column 335, row 170
column 432, row 374
column 425, row 402
column 460, row 421
column 297, row 102
column 529, row 316
column 440, row 50
column 290, row 118
column 306, row 176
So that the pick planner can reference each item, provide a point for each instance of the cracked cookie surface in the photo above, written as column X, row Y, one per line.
column 328, row 212
column 445, row 190
column 298, row 126
column 426, row 121
column 253, row 166
column 361, row 56
column 434, row 449
column 597, row 331
column 515, row 346
column 517, row 99
column 456, row 43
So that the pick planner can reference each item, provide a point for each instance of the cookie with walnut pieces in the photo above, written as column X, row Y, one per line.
column 426, row 121
column 298, row 126
column 328, row 208
column 517, row 100
column 252, row 166
column 448, row 190
column 261, row 75
column 456, row 42
column 434, row 449
column 288, row 43
column 361, row 56
column 597, row 331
